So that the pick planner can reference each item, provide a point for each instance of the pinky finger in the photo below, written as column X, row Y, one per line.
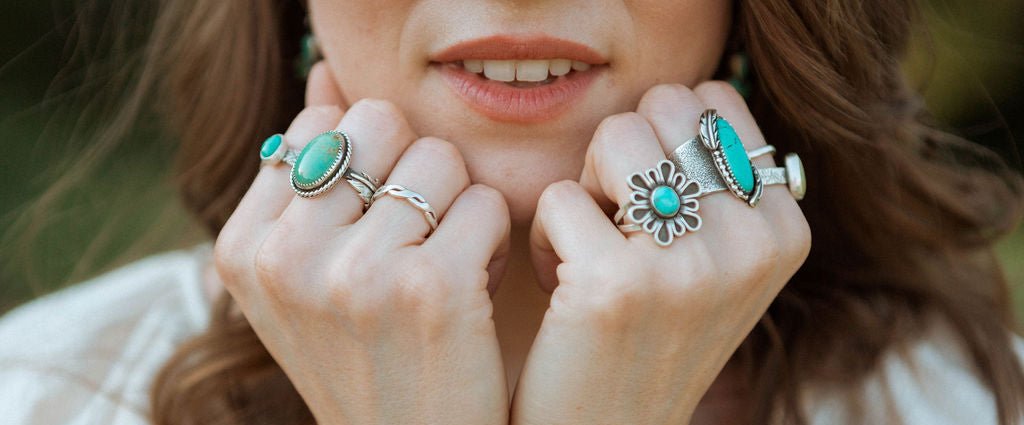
column 474, row 232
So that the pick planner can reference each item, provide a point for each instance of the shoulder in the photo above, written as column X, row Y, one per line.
column 929, row 381
column 91, row 349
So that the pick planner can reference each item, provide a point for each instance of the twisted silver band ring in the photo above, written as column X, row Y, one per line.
column 413, row 198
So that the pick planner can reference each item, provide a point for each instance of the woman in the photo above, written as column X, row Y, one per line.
column 478, row 275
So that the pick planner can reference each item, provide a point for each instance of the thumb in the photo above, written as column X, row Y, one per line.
column 322, row 89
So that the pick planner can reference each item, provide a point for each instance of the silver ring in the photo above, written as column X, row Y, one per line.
column 711, row 159
column 275, row 150
column 415, row 199
column 761, row 151
column 663, row 203
column 694, row 160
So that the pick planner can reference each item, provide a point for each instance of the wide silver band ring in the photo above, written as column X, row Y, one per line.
column 413, row 198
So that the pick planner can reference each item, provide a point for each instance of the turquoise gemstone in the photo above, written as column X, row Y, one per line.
column 665, row 201
column 270, row 146
column 736, row 156
column 316, row 160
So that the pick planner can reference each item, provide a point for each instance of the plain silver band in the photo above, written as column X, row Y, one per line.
column 763, row 150
column 415, row 199
column 697, row 164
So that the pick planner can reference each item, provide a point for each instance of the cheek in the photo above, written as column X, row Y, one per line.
column 679, row 41
column 353, row 33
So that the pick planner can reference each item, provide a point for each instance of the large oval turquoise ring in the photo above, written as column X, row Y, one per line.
column 321, row 163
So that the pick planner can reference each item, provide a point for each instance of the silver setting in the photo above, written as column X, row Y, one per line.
column 415, row 199
column 708, row 136
column 639, row 213
column 337, row 168
column 278, row 155
column 792, row 175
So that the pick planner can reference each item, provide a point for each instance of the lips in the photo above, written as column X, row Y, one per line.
column 519, row 79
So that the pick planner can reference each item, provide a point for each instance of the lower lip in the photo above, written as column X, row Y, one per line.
column 502, row 102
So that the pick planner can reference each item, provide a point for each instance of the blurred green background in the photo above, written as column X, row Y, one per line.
column 59, row 80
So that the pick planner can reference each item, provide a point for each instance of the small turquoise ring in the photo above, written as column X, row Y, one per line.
column 663, row 203
column 274, row 151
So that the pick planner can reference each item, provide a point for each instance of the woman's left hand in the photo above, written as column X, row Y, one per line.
column 635, row 332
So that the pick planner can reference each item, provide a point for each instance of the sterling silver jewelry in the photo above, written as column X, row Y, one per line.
column 663, row 203
column 415, row 199
column 695, row 162
column 712, row 158
column 329, row 155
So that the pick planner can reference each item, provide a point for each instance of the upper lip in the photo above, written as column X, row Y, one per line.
column 516, row 47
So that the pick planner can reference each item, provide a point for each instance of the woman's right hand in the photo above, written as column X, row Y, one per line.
column 372, row 321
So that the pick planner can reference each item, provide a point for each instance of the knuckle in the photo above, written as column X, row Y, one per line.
column 489, row 198
column 719, row 90
column 441, row 152
column 422, row 286
column 383, row 117
column 316, row 113
column 622, row 124
column 667, row 97
column 228, row 252
column 378, row 108
column 601, row 294
column 556, row 193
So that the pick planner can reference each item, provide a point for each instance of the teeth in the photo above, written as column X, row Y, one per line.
column 474, row 66
column 523, row 70
column 500, row 70
column 535, row 70
column 560, row 67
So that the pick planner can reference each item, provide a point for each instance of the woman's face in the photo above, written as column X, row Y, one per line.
column 594, row 58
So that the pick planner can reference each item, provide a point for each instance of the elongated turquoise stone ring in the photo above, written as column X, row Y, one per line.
column 716, row 159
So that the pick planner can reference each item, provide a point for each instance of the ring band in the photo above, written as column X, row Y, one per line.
column 415, row 199
column 329, row 156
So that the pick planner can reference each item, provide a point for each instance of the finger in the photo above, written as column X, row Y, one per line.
column 271, row 192
column 623, row 144
column 475, row 233
column 673, row 111
column 322, row 89
column 269, row 195
column 430, row 167
column 569, row 226
column 747, row 234
column 378, row 134
column 781, row 214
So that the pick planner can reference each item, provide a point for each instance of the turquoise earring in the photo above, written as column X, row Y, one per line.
column 739, row 73
column 309, row 54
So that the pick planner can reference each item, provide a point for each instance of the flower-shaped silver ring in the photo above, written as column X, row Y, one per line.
column 663, row 203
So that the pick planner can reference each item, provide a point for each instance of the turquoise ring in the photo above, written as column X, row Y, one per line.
column 663, row 203
column 320, row 165
column 716, row 159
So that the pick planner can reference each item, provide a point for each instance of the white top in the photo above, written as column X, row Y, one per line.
column 87, row 355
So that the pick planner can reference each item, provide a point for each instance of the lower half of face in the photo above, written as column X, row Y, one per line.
column 518, row 86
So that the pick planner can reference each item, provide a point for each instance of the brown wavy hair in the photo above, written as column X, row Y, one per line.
column 904, row 216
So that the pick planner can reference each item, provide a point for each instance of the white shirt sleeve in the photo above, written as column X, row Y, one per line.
column 933, row 382
column 87, row 354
